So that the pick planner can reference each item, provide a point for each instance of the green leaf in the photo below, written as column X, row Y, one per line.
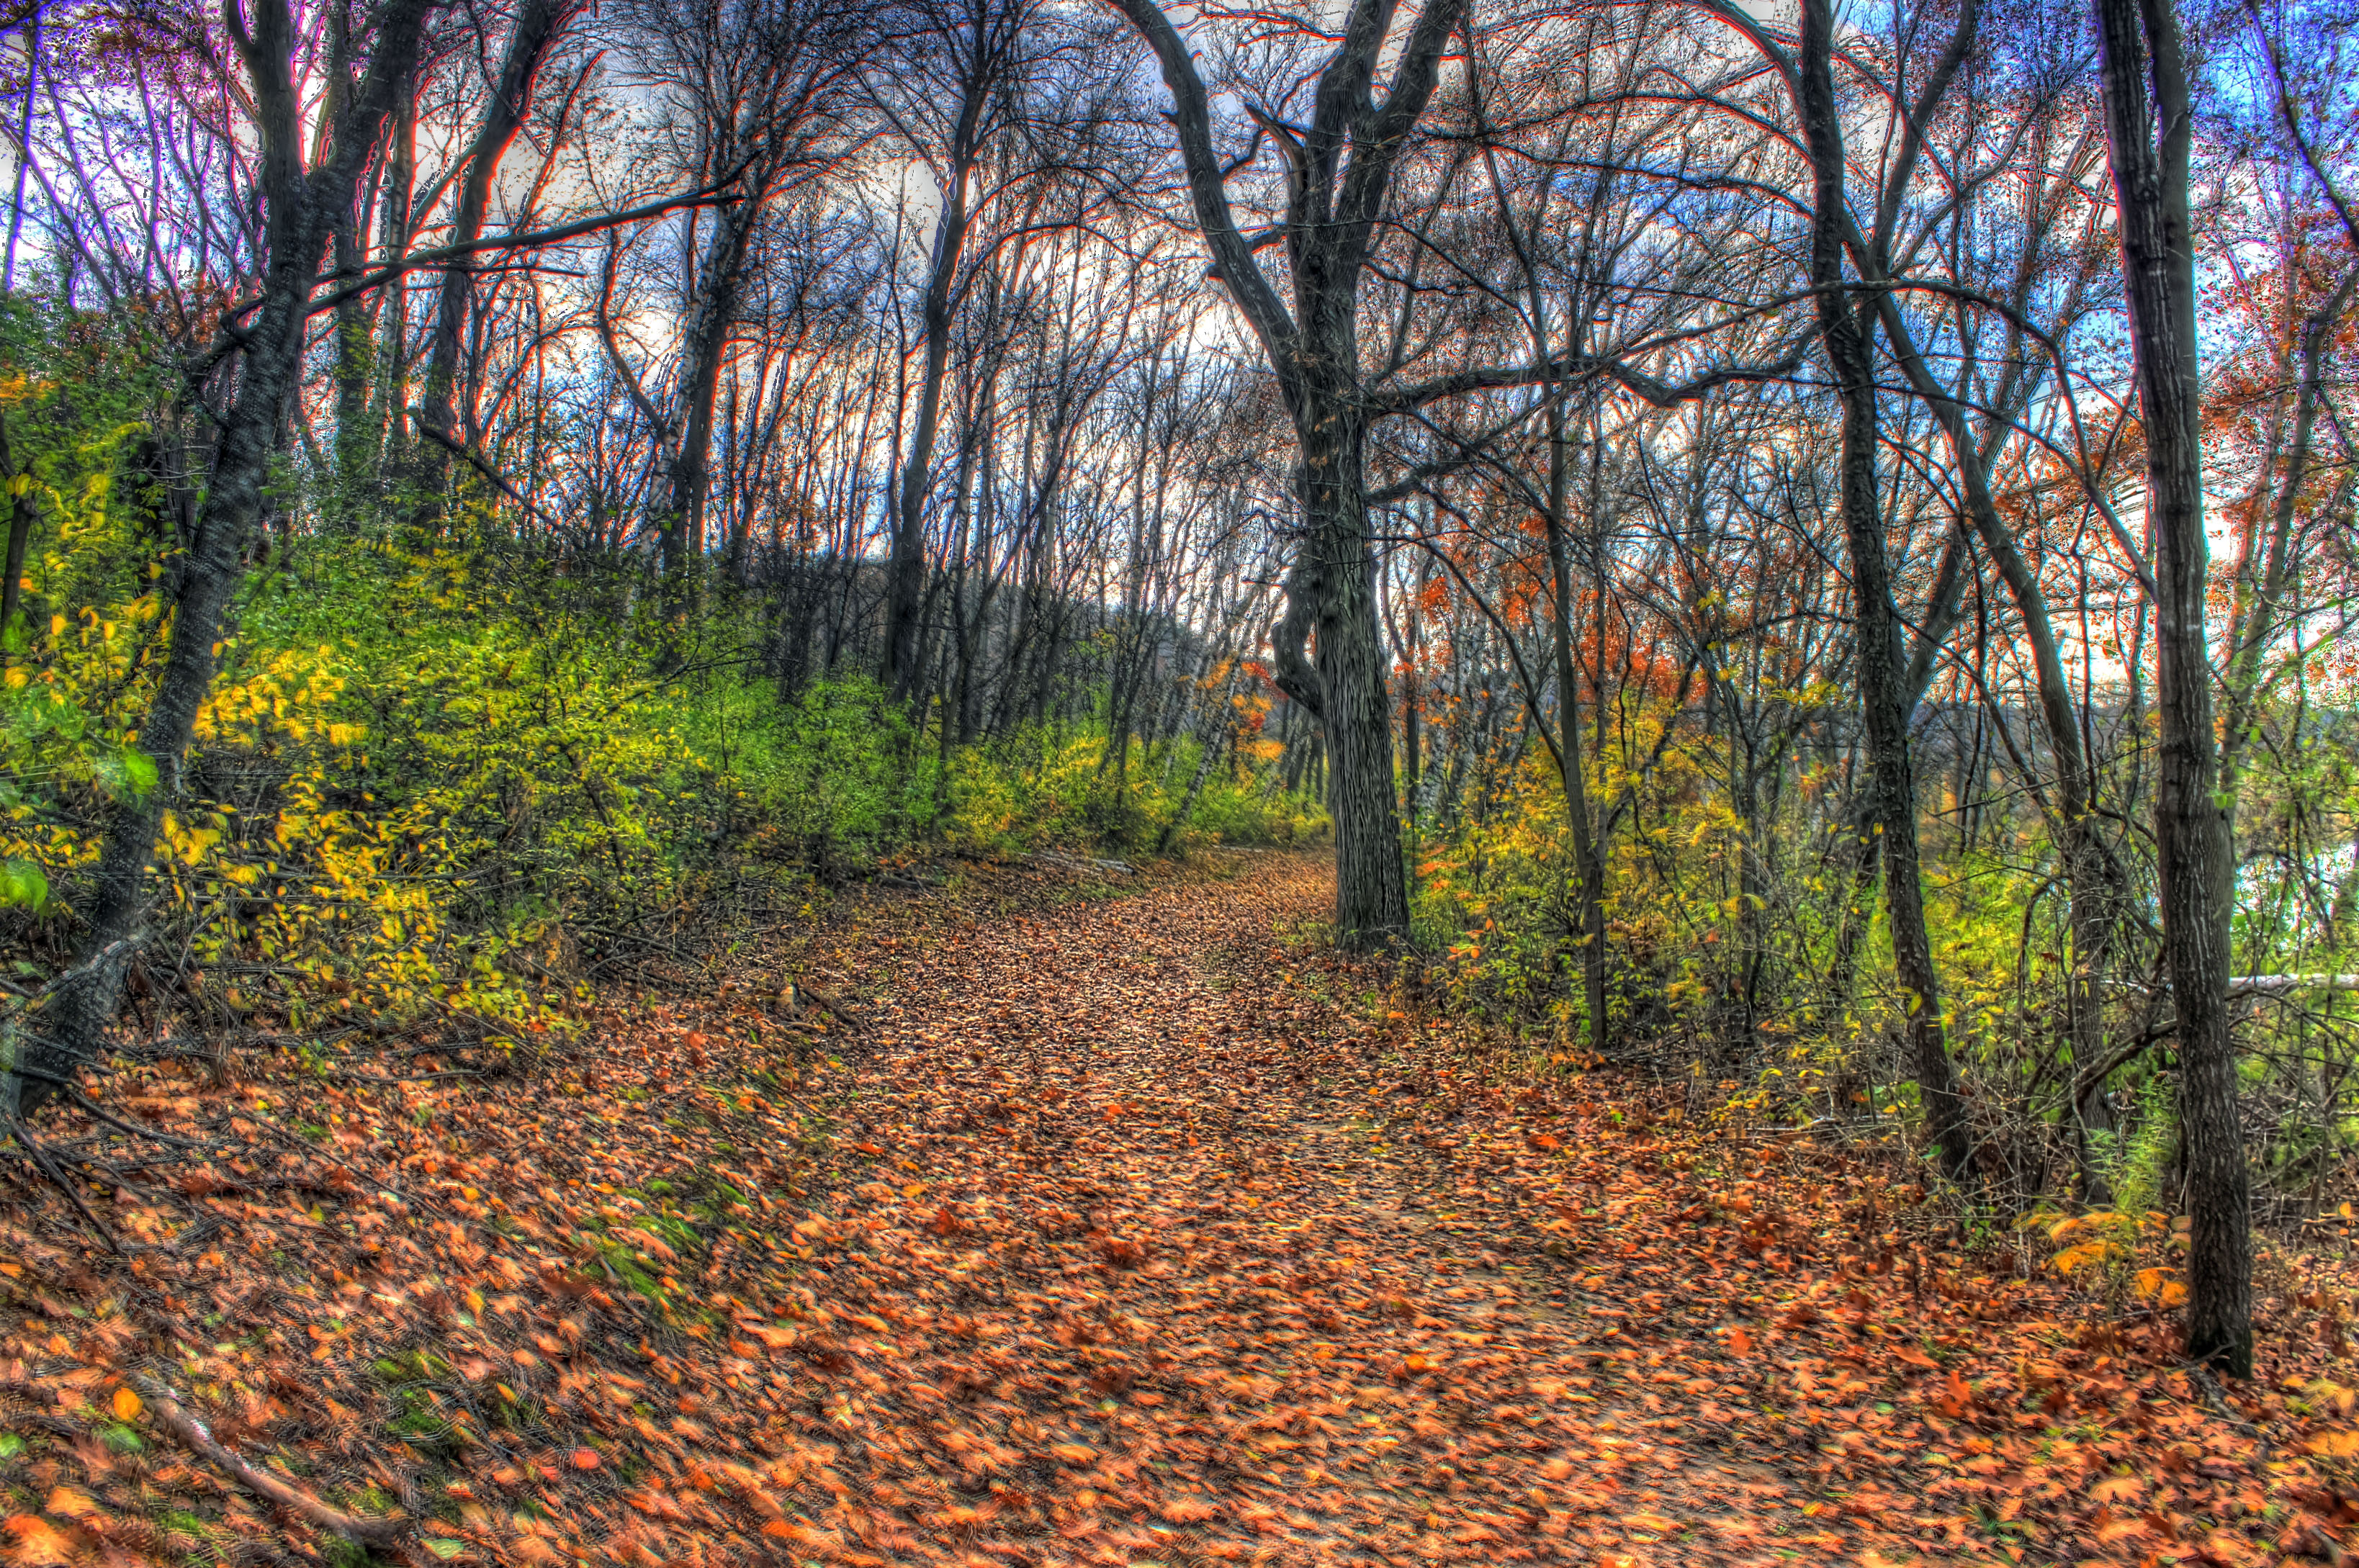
column 21, row 882
column 126, row 772
column 140, row 769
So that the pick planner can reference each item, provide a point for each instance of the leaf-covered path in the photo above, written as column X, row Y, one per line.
column 1202, row 1279
column 1189, row 1249
column 1129, row 1232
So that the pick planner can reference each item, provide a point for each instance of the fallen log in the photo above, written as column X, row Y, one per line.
column 2281, row 985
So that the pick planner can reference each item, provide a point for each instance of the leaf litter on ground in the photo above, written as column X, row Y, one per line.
column 1117, row 1231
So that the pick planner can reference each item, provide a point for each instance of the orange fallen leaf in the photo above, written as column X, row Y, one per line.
column 35, row 1542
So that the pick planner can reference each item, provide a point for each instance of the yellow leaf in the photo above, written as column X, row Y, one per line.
column 2073, row 1258
column 2335, row 1444
column 126, row 1404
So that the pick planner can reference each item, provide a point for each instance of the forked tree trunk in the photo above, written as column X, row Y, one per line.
column 1332, row 205
column 2149, row 134
column 906, row 571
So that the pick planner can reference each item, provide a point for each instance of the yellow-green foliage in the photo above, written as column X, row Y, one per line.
column 1045, row 786
column 426, row 757
column 1499, row 894
column 1687, row 930
column 419, row 764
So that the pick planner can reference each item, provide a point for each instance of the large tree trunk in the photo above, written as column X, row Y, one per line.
column 1330, row 593
column 300, row 211
column 703, row 353
column 390, row 422
column 2150, row 131
column 1885, row 696
column 355, row 443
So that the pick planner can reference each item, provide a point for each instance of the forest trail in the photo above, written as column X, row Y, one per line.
column 1256, row 1281
column 1122, row 1230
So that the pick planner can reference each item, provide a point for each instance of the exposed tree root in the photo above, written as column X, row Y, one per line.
column 363, row 1528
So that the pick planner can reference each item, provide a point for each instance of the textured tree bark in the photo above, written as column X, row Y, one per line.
column 704, row 351
column 1884, row 698
column 1346, row 682
column 301, row 208
column 356, row 446
column 390, row 422
column 1588, row 863
column 2149, row 134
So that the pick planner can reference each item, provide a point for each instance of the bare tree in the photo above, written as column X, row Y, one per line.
column 1339, row 168
column 532, row 36
column 749, row 90
column 301, row 202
